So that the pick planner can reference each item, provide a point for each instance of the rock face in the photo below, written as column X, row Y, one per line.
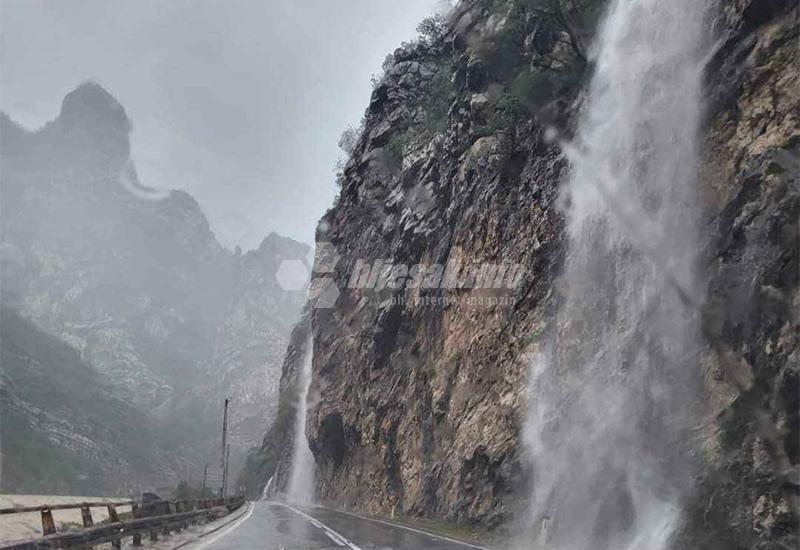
column 751, row 438
column 421, row 400
column 136, row 280
column 417, row 406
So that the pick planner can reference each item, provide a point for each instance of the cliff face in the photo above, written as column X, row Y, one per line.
column 421, row 401
column 748, row 496
column 137, row 282
column 417, row 406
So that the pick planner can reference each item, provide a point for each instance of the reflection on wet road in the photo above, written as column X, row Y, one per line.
column 273, row 526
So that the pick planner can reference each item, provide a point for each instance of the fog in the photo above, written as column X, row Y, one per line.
column 240, row 103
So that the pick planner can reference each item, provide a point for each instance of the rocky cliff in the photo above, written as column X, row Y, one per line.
column 422, row 390
column 419, row 391
column 748, row 495
column 135, row 279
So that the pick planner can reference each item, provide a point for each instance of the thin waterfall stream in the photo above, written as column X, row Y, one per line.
column 301, row 485
column 267, row 493
column 613, row 387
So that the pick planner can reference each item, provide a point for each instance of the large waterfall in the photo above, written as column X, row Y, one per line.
column 612, row 389
column 301, row 480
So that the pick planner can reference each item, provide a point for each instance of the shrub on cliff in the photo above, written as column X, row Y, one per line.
column 438, row 95
column 432, row 29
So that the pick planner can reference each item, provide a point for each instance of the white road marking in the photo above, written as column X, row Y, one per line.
column 218, row 534
column 407, row 528
column 333, row 535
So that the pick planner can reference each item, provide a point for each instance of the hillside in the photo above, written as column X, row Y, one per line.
column 63, row 430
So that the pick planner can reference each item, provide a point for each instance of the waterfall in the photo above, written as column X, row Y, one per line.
column 265, row 494
column 301, row 479
column 612, row 389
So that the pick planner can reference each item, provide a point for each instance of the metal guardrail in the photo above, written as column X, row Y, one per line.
column 153, row 518
column 65, row 506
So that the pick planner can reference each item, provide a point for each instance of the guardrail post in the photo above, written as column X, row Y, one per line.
column 86, row 516
column 185, row 507
column 48, row 525
column 137, row 537
column 113, row 517
column 178, row 510
column 156, row 509
column 169, row 509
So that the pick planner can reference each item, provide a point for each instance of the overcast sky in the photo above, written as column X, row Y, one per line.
column 239, row 102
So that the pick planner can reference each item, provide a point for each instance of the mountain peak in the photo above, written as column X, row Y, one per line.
column 91, row 104
column 92, row 124
column 285, row 247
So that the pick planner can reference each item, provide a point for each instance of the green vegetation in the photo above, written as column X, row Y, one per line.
column 528, row 92
column 526, row 88
column 432, row 29
column 529, row 87
column 438, row 94
column 577, row 18
column 507, row 113
column 435, row 100
column 400, row 144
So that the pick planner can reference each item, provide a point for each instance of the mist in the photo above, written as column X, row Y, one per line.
column 238, row 103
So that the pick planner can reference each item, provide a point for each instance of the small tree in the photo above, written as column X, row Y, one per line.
column 348, row 142
column 432, row 29
column 349, row 138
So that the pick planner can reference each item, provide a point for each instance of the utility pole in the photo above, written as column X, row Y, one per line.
column 225, row 473
column 224, row 446
column 205, row 477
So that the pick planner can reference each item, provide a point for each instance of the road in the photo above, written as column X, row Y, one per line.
column 274, row 526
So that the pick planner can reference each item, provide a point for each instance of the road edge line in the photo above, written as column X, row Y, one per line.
column 232, row 524
column 408, row 528
column 331, row 533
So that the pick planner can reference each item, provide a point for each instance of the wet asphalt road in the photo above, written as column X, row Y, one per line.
column 272, row 526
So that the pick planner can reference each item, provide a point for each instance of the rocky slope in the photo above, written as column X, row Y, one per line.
column 418, row 407
column 433, row 429
column 75, row 436
column 136, row 280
